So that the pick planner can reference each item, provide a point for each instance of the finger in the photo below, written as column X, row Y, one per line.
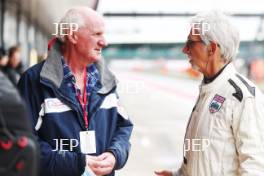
column 163, row 173
column 96, row 158
column 109, row 157
column 102, row 170
column 103, row 155
column 104, row 163
column 93, row 163
column 158, row 172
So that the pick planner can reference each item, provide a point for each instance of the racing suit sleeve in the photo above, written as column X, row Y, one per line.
column 177, row 173
column 180, row 171
column 120, row 145
column 52, row 163
column 248, row 129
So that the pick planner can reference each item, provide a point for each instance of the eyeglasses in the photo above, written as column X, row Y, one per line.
column 189, row 43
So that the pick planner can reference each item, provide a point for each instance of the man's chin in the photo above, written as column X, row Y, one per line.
column 195, row 67
column 95, row 59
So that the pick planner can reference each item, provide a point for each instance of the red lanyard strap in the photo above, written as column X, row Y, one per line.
column 83, row 101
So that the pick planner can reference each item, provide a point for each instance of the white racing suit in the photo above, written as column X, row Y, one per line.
column 225, row 133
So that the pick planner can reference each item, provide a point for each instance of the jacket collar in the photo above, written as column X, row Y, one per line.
column 52, row 70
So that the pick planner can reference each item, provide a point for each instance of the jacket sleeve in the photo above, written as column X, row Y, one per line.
column 248, row 128
column 53, row 163
column 120, row 145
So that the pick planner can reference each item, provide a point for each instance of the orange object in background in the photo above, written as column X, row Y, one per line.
column 257, row 70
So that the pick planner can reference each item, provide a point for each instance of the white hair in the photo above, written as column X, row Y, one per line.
column 71, row 16
column 220, row 30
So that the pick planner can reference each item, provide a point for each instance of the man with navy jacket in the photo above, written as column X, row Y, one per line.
column 73, row 103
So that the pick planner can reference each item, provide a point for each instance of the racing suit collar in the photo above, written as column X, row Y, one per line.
column 223, row 76
column 209, row 80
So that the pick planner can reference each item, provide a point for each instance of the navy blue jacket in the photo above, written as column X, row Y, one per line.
column 55, row 114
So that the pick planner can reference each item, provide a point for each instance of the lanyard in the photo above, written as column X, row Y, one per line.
column 83, row 101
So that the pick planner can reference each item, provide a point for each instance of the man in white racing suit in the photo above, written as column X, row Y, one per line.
column 225, row 133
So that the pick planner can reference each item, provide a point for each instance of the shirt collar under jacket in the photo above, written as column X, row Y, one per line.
column 93, row 81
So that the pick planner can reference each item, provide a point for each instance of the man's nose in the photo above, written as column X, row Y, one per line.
column 185, row 49
column 102, row 42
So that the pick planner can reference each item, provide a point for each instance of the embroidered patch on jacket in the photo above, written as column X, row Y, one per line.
column 54, row 105
column 216, row 103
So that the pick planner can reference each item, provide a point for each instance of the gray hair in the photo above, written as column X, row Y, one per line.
column 72, row 16
column 220, row 31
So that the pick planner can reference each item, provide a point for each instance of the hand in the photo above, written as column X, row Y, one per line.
column 163, row 173
column 102, row 164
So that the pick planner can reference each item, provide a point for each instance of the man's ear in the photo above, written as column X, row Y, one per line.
column 73, row 38
column 212, row 48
